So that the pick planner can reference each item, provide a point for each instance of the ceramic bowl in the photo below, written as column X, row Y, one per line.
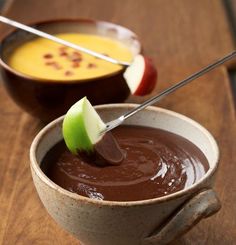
column 47, row 99
column 146, row 222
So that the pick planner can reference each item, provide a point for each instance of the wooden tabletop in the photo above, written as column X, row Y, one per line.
column 181, row 36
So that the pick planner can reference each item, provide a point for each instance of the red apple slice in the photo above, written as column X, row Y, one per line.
column 141, row 76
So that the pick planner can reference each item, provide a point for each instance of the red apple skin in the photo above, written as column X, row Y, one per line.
column 149, row 78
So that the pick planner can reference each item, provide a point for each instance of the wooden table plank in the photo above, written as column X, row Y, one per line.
column 230, row 6
column 181, row 36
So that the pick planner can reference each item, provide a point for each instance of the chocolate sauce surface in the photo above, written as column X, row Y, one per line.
column 156, row 163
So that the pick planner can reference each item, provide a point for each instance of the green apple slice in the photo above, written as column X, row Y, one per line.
column 81, row 127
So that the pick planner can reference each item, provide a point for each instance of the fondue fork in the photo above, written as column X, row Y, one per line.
column 114, row 123
column 61, row 41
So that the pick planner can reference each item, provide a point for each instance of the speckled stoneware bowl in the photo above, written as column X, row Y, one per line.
column 47, row 99
column 147, row 222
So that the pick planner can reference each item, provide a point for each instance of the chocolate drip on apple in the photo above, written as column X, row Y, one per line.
column 105, row 152
column 108, row 150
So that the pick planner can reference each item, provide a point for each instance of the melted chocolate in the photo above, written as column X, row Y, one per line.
column 156, row 163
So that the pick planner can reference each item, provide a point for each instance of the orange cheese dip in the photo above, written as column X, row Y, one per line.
column 45, row 59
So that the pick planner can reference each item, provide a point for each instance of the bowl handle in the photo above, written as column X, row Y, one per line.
column 202, row 205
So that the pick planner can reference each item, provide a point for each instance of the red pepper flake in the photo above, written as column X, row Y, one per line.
column 75, row 64
column 68, row 73
column 91, row 65
column 77, row 60
column 48, row 56
column 50, row 63
column 54, row 65
column 77, row 53
column 63, row 53
column 63, row 48
column 76, row 56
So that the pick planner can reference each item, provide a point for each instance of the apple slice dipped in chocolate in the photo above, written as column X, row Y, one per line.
column 81, row 131
column 141, row 76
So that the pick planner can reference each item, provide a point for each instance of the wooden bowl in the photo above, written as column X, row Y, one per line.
column 48, row 99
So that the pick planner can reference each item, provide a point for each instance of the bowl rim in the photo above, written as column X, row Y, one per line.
column 59, row 20
column 188, row 191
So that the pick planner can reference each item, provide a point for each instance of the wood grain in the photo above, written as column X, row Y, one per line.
column 181, row 36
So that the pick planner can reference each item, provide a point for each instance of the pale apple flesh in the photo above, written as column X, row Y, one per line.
column 141, row 76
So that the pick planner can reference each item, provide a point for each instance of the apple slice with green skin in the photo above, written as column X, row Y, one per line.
column 81, row 127
column 141, row 76
column 81, row 131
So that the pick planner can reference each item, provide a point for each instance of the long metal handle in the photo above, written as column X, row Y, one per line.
column 61, row 41
column 151, row 101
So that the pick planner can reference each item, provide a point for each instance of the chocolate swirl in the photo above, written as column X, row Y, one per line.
column 156, row 163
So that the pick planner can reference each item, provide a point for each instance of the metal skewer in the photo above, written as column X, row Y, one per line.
column 112, row 124
column 61, row 41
